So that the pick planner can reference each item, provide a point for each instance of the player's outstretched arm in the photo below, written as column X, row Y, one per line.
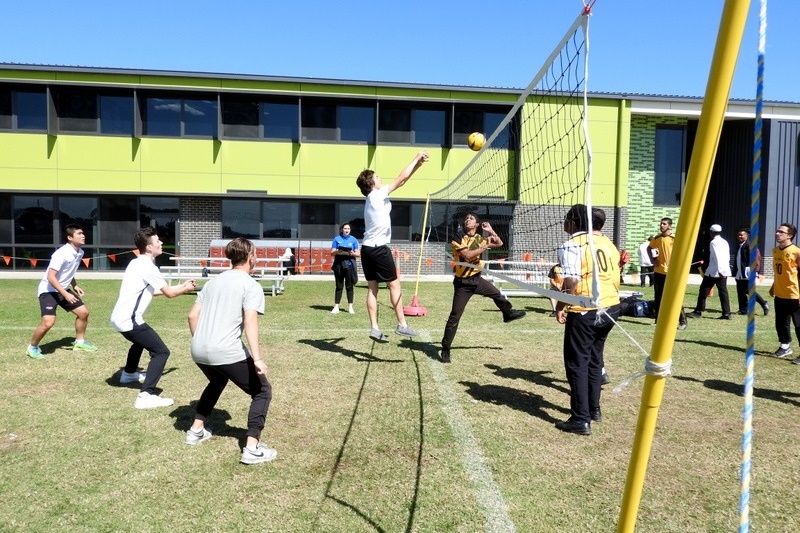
column 407, row 172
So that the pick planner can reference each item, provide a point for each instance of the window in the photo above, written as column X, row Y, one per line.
column 353, row 214
column 33, row 219
column 412, row 126
column 5, row 109
column 176, row 117
column 77, row 111
column 317, row 220
column 30, row 108
column 669, row 165
column 280, row 220
column 330, row 122
column 118, row 220
column 116, row 114
column 240, row 119
column 5, row 219
column 78, row 210
column 241, row 218
column 468, row 120
column 161, row 214
column 280, row 121
column 319, row 122
column 357, row 124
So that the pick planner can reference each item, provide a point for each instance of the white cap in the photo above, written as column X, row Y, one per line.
column 715, row 228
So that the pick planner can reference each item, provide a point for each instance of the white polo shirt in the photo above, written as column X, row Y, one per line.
column 141, row 279
column 65, row 261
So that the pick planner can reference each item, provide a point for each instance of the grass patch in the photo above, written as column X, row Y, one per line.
column 383, row 437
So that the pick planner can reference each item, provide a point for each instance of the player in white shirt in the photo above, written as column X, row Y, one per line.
column 142, row 280
column 376, row 257
column 58, row 288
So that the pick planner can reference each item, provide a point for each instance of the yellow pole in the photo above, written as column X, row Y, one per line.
column 422, row 241
column 729, row 40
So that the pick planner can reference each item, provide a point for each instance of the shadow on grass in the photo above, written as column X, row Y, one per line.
column 537, row 378
column 217, row 422
column 533, row 404
column 429, row 350
column 787, row 397
column 710, row 344
column 332, row 346
column 64, row 343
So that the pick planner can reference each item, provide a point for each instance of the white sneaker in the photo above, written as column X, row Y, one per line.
column 259, row 455
column 335, row 311
column 351, row 311
column 145, row 400
column 193, row 438
column 133, row 377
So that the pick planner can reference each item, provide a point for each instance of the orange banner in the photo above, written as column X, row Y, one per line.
column 202, row 262
column 86, row 261
column 302, row 269
column 7, row 259
column 113, row 257
column 428, row 261
column 527, row 256
column 33, row 261
column 135, row 252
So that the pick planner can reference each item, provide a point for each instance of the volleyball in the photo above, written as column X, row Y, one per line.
column 476, row 140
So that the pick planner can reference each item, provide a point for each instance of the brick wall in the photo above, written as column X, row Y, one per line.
column 200, row 223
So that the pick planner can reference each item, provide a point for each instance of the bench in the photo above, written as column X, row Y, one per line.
column 532, row 274
column 269, row 272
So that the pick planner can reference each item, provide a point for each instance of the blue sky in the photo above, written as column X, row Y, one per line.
column 637, row 46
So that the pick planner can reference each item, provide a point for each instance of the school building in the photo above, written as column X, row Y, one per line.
column 205, row 156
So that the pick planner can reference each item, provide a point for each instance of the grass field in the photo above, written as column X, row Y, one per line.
column 384, row 438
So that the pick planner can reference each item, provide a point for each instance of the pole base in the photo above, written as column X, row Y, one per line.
column 415, row 309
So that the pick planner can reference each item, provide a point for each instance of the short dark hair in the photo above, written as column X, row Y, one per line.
column 667, row 220
column 578, row 216
column 71, row 229
column 365, row 181
column 142, row 237
column 598, row 218
column 471, row 214
column 745, row 230
column 791, row 227
column 238, row 250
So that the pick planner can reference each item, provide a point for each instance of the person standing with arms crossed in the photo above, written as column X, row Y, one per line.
column 58, row 288
column 344, row 250
column 376, row 257
column 785, row 289
column 142, row 280
column 741, row 272
column 660, row 253
column 586, row 328
column 227, row 306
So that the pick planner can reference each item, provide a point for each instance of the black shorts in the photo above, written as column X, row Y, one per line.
column 378, row 263
column 49, row 300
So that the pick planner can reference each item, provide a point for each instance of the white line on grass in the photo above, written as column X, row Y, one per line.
column 487, row 493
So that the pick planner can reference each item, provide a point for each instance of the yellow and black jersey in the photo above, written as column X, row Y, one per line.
column 466, row 242
column 784, row 264
column 663, row 251
column 606, row 256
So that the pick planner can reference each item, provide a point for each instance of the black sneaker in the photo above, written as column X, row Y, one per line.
column 444, row 356
column 782, row 353
column 743, row 312
column 573, row 426
column 765, row 307
column 694, row 314
column 605, row 379
column 724, row 317
column 513, row 315
column 596, row 415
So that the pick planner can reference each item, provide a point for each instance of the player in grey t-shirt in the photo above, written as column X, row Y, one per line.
column 227, row 306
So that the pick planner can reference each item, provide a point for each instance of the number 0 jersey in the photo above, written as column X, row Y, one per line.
column 784, row 264
column 577, row 262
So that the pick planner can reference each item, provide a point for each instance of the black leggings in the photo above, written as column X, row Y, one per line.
column 243, row 374
column 343, row 279
column 144, row 337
